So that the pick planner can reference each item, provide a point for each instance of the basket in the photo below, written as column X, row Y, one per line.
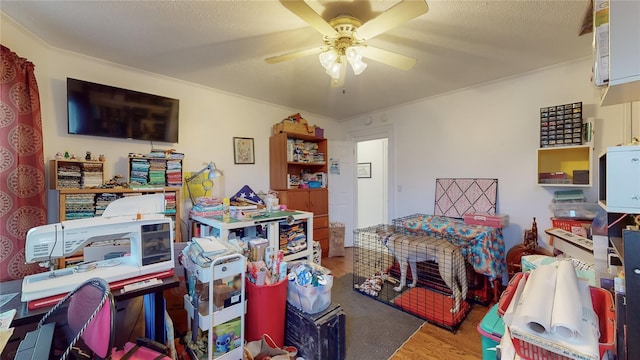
column 602, row 304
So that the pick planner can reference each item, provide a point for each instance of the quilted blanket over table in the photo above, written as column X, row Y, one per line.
column 482, row 246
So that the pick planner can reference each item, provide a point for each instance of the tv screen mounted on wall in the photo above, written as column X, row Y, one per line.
column 101, row 110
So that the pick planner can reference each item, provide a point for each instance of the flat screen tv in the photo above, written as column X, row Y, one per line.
column 101, row 110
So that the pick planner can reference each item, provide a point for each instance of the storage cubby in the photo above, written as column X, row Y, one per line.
column 268, row 226
column 75, row 174
column 565, row 166
column 160, row 171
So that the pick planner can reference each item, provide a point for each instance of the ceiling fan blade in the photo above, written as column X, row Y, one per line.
column 387, row 57
column 395, row 16
column 306, row 13
column 294, row 55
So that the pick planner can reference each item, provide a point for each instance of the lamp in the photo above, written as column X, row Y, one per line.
column 213, row 173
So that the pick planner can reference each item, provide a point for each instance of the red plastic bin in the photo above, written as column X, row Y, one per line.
column 266, row 309
column 602, row 304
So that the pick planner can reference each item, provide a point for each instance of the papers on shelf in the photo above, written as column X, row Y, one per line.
column 209, row 246
column 5, row 331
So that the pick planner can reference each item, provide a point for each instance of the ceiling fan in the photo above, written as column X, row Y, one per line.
column 344, row 38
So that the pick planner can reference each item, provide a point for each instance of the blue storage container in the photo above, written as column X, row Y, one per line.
column 491, row 328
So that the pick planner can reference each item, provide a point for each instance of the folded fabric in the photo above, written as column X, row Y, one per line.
column 248, row 195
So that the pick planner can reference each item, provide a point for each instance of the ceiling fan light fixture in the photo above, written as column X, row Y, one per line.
column 358, row 66
column 353, row 52
column 354, row 56
column 328, row 58
column 334, row 70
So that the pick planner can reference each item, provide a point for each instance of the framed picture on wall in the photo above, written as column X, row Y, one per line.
column 364, row 170
column 243, row 152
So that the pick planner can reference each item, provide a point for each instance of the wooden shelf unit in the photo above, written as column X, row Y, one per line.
column 58, row 165
column 315, row 200
column 63, row 193
column 119, row 192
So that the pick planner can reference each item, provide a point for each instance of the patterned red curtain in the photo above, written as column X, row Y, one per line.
column 22, row 176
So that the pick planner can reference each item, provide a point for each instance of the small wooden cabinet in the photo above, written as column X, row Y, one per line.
column 289, row 159
column 75, row 174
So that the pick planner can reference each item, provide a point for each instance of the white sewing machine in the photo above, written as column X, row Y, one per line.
column 139, row 219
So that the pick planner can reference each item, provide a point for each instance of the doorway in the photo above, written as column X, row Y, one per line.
column 374, row 195
column 372, row 182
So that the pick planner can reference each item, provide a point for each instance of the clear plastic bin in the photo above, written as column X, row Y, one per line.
column 575, row 210
column 310, row 299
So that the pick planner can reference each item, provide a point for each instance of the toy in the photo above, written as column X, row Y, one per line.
column 223, row 342
column 373, row 285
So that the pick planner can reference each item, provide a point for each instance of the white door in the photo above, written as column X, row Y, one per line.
column 342, row 186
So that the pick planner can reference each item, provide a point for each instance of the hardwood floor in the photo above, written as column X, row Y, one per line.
column 430, row 341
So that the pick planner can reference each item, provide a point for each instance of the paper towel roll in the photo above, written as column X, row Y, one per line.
column 537, row 299
column 568, row 304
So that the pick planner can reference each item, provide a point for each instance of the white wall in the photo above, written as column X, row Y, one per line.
column 492, row 131
column 209, row 118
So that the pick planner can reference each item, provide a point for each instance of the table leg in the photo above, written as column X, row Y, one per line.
column 497, row 290
column 154, row 316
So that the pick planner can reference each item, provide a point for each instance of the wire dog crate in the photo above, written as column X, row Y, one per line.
column 438, row 294
column 480, row 289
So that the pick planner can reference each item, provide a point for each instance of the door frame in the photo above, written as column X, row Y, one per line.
column 375, row 133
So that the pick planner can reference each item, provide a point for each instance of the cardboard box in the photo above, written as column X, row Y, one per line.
column 294, row 127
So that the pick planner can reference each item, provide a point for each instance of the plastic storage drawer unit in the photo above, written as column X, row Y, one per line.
column 492, row 329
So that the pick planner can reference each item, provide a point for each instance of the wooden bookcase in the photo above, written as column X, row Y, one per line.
column 284, row 164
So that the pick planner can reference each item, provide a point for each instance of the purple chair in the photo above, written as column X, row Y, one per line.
column 84, row 321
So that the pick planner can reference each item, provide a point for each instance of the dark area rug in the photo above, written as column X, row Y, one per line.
column 373, row 330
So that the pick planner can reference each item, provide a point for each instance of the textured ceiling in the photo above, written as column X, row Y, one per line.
column 223, row 44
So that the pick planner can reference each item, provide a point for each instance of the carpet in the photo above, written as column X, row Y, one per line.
column 373, row 330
